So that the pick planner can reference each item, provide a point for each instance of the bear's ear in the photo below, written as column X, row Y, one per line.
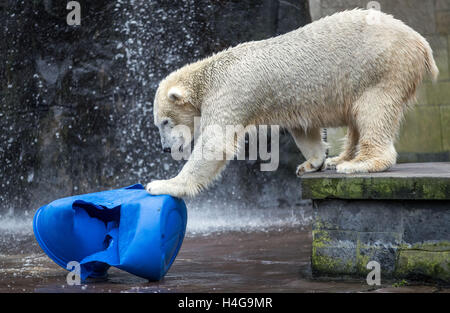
column 176, row 94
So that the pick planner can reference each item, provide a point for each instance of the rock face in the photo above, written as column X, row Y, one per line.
column 76, row 101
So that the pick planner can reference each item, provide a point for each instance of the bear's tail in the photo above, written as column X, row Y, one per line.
column 430, row 64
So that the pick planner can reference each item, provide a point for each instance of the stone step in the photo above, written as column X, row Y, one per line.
column 399, row 218
column 410, row 181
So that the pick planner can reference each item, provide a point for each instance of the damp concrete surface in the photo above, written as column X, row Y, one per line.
column 273, row 259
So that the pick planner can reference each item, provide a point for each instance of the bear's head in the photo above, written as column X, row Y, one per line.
column 174, row 114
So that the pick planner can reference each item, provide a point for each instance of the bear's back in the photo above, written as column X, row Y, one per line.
column 341, row 50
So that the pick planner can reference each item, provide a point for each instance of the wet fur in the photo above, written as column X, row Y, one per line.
column 338, row 71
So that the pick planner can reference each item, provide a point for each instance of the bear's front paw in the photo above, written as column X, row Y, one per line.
column 160, row 187
column 172, row 187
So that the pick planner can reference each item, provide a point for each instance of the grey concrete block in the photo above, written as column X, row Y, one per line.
column 379, row 247
column 362, row 216
column 406, row 238
column 349, row 252
column 426, row 221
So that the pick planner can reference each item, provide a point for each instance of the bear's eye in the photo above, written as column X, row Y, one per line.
column 165, row 122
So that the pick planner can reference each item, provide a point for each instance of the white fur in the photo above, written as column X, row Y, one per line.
column 175, row 93
column 338, row 71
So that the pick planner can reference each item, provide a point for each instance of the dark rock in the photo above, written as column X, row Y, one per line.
column 76, row 101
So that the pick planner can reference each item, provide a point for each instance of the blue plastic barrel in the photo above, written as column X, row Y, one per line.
column 126, row 228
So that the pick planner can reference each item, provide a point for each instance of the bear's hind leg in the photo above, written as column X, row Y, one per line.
column 312, row 147
column 378, row 118
column 350, row 149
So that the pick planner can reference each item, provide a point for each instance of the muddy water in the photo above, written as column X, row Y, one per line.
column 225, row 250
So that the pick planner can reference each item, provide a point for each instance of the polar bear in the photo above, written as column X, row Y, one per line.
column 358, row 68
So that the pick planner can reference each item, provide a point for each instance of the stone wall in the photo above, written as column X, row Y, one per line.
column 398, row 218
column 425, row 135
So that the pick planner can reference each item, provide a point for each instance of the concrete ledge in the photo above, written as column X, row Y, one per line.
column 358, row 219
column 414, row 181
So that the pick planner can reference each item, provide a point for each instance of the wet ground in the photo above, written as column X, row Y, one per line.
column 232, row 261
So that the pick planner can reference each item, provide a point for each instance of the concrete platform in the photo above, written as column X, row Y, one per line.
column 412, row 181
column 399, row 218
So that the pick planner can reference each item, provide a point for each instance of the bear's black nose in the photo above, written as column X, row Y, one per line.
column 167, row 150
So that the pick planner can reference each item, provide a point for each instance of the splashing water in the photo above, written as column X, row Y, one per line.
column 141, row 38
column 205, row 219
column 15, row 225
column 202, row 220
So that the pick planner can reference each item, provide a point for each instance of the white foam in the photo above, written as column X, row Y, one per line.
column 16, row 225
column 201, row 220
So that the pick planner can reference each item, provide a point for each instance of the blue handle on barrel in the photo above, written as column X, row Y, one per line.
column 126, row 228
